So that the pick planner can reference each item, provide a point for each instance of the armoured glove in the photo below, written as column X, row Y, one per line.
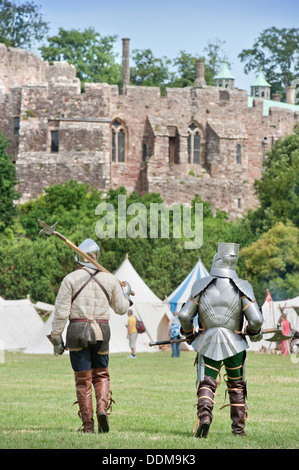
column 254, row 336
column 127, row 292
column 189, row 335
column 58, row 345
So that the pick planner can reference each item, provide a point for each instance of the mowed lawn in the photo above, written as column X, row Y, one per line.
column 155, row 397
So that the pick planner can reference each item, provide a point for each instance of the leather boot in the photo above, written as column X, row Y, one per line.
column 101, row 383
column 238, row 408
column 84, row 397
column 205, row 394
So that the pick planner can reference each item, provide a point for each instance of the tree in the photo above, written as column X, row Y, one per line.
column 149, row 70
column 8, row 181
column 186, row 64
column 278, row 189
column 272, row 262
column 21, row 24
column 276, row 52
column 215, row 56
column 91, row 54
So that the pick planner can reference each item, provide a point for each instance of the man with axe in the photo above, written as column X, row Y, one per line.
column 84, row 299
column 222, row 302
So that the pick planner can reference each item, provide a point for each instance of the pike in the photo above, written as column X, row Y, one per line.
column 51, row 231
column 277, row 337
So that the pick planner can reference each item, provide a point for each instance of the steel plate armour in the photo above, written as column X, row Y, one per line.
column 220, row 315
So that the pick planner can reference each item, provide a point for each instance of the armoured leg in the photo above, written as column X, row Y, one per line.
column 101, row 382
column 205, row 394
column 238, row 407
column 84, row 397
column 236, row 385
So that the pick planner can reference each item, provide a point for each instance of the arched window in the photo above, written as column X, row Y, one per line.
column 118, row 141
column 193, row 144
column 238, row 154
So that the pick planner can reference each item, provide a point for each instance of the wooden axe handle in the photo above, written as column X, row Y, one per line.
column 89, row 258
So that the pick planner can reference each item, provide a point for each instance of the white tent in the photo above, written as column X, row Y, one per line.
column 182, row 293
column 39, row 343
column 153, row 312
column 272, row 311
column 19, row 323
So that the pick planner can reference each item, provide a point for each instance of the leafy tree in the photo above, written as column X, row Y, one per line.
column 149, row 70
column 186, row 64
column 91, row 54
column 21, row 24
column 8, row 181
column 276, row 52
column 272, row 262
column 215, row 56
column 278, row 189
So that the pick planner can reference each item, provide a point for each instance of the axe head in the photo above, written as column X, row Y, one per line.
column 46, row 228
column 278, row 337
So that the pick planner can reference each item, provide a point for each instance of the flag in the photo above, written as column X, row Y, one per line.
column 268, row 298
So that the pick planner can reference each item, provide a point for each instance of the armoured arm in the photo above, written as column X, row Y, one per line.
column 254, row 318
column 187, row 313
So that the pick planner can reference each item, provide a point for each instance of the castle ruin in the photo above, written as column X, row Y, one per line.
column 205, row 140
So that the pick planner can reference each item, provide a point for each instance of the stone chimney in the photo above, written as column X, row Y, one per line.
column 125, row 65
column 290, row 95
column 276, row 97
column 200, row 74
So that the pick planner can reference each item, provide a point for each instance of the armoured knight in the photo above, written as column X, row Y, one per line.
column 223, row 302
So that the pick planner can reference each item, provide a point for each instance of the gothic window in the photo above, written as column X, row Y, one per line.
column 16, row 124
column 193, row 144
column 238, row 154
column 54, row 141
column 118, row 141
column 144, row 152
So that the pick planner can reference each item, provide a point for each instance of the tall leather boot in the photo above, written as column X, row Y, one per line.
column 84, row 396
column 101, row 383
column 205, row 393
column 238, row 408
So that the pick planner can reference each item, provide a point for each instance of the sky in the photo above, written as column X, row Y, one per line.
column 170, row 26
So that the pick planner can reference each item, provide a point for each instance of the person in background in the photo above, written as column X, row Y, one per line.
column 285, row 326
column 174, row 327
column 132, row 334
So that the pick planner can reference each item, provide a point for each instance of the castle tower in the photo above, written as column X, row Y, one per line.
column 261, row 88
column 224, row 78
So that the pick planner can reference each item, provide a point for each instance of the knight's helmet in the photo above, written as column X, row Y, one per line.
column 225, row 260
column 92, row 249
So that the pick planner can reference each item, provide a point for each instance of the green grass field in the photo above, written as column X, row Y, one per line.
column 155, row 397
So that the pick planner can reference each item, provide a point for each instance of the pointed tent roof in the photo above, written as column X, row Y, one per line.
column 126, row 272
column 224, row 73
column 260, row 80
column 183, row 291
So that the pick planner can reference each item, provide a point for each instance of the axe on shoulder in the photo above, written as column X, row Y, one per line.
column 51, row 231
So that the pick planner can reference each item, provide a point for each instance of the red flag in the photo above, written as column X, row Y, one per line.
column 268, row 298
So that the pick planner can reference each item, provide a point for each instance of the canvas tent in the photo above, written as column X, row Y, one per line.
column 39, row 343
column 182, row 293
column 19, row 323
column 147, row 307
column 272, row 311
